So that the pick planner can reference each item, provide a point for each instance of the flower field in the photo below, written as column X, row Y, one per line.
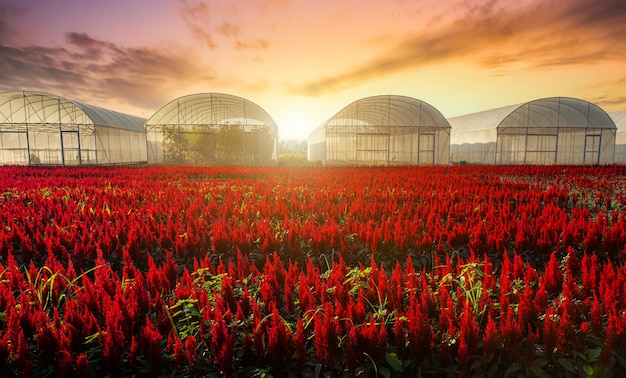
column 405, row 271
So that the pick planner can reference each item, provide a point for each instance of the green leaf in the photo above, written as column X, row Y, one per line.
column 393, row 361
column 477, row 364
column 538, row 372
column 385, row 372
column 588, row 369
column 621, row 360
column 318, row 370
column 91, row 338
column 594, row 354
column 540, row 363
column 567, row 365
column 512, row 369
column 493, row 369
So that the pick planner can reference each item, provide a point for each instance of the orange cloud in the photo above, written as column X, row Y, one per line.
column 228, row 29
column 196, row 15
column 206, row 20
column 272, row 4
column 539, row 34
column 258, row 44
column 613, row 94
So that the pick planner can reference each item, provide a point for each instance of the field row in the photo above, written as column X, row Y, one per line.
column 333, row 271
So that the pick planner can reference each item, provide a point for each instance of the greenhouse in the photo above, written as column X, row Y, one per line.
column 556, row 130
column 382, row 130
column 619, row 118
column 212, row 129
column 40, row 128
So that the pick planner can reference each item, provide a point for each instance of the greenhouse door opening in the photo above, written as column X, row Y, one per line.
column 426, row 149
column 592, row 149
column 541, row 149
column 372, row 148
column 70, row 144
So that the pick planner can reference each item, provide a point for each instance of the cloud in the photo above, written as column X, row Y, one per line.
column 500, row 35
column 197, row 17
column 613, row 96
column 588, row 14
column 228, row 29
column 8, row 12
column 609, row 103
column 137, row 76
column 4, row 26
column 258, row 44
column 35, row 65
column 258, row 86
column 273, row 4
column 91, row 47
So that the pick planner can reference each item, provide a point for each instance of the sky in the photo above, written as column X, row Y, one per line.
column 303, row 61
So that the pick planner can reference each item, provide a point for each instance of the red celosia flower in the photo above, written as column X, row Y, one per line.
column 222, row 346
column 419, row 332
column 491, row 338
column 469, row 328
column 66, row 363
column 325, row 327
column 463, row 355
column 81, row 366
column 400, row 334
column 358, row 311
column 178, row 350
column 279, row 341
column 550, row 332
column 151, row 340
column 300, row 342
column 531, row 340
column 596, row 316
column 22, row 356
column 5, row 351
column 527, row 311
column 133, row 352
column 350, row 355
column 112, row 338
column 511, row 335
column 191, row 345
column 47, row 341
column 553, row 276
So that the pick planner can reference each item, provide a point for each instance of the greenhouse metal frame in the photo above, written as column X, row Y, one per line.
column 619, row 118
column 548, row 131
column 212, row 129
column 39, row 128
column 382, row 130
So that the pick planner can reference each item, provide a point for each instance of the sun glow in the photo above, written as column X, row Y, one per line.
column 296, row 121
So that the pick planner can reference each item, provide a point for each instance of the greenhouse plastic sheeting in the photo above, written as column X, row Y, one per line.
column 40, row 128
column 557, row 130
column 212, row 129
column 619, row 118
column 382, row 130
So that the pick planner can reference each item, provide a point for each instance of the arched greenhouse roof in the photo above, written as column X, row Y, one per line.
column 212, row 109
column 388, row 110
column 45, row 108
column 565, row 112
column 558, row 112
